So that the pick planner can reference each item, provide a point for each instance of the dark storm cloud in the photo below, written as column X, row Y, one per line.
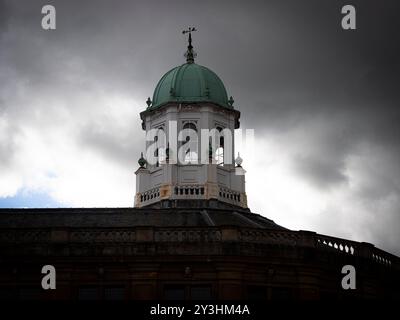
column 288, row 64
column 348, row 80
column 324, row 172
column 116, row 143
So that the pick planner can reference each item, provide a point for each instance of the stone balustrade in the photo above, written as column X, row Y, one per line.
column 338, row 244
column 228, row 195
column 183, row 191
column 149, row 196
column 233, row 234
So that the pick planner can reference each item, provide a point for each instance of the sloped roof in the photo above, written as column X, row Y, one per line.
column 132, row 217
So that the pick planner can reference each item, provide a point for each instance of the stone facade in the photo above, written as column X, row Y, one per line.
column 204, row 253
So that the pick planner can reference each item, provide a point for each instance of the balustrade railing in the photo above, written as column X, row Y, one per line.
column 228, row 195
column 149, row 196
column 200, row 235
column 182, row 191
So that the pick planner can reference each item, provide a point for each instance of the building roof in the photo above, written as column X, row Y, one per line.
column 212, row 227
column 132, row 217
column 190, row 82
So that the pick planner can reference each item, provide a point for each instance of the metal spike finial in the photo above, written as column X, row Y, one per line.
column 190, row 53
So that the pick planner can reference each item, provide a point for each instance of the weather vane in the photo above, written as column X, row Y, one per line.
column 190, row 53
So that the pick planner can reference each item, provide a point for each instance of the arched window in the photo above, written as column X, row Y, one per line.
column 219, row 152
column 219, row 156
column 190, row 156
column 156, row 155
column 187, row 126
column 159, row 152
column 190, row 125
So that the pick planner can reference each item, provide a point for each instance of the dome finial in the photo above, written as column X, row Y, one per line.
column 142, row 161
column 190, row 53
column 148, row 102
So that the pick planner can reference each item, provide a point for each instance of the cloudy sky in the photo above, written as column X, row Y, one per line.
column 324, row 103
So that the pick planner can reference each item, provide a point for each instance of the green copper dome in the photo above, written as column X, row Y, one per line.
column 190, row 82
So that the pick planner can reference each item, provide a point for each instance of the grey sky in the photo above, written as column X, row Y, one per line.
column 327, row 99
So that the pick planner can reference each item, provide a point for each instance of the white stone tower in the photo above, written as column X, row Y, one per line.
column 187, row 167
